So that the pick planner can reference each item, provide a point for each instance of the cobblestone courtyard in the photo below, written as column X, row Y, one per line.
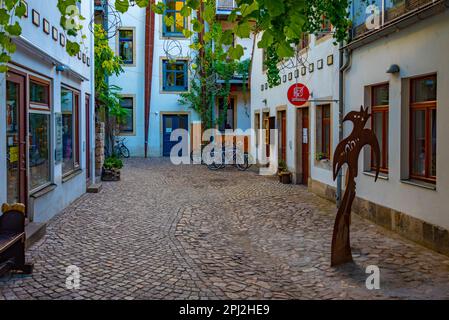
column 175, row 232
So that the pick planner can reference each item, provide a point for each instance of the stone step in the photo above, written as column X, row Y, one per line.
column 34, row 232
column 94, row 188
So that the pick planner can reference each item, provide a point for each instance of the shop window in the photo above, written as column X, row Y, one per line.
column 39, row 92
column 39, row 154
column 70, row 135
column 226, row 114
column 323, row 132
column 379, row 122
column 423, row 122
column 173, row 11
column 126, row 48
column 127, row 123
column 175, row 75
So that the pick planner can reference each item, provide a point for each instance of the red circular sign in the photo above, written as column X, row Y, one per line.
column 298, row 94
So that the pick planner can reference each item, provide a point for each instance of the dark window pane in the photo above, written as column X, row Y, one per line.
column 378, row 131
column 424, row 89
column 180, row 79
column 433, row 128
column 175, row 76
column 226, row 117
column 127, row 124
column 67, row 131
column 126, row 34
column 126, row 51
column 381, row 95
column 173, row 10
column 327, row 137
column 39, row 93
column 385, row 154
column 39, row 149
column 12, row 141
column 419, row 142
column 66, row 101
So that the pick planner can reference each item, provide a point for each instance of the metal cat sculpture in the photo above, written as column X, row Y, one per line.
column 348, row 151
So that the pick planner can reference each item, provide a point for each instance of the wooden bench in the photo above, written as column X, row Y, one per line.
column 12, row 240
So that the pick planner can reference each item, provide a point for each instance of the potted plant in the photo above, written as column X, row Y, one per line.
column 285, row 176
column 111, row 169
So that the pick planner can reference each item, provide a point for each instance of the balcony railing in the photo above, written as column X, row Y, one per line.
column 226, row 5
column 387, row 12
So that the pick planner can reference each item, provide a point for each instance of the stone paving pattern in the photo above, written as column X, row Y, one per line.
column 184, row 232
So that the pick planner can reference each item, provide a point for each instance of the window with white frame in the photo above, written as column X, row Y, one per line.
column 39, row 145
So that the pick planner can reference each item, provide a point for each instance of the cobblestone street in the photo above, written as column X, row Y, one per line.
column 184, row 232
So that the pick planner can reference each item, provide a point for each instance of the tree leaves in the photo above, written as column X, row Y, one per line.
column 236, row 52
column 122, row 5
column 14, row 30
column 142, row 3
column 242, row 30
column 72, row 48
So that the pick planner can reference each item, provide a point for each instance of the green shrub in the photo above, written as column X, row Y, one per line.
column 113, row 163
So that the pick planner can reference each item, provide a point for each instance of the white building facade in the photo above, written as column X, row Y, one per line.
column 170, row 76
column 47, row 116
column 307, row 130
column 400, row 71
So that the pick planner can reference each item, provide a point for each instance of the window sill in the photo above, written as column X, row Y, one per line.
column 177, row 36
column 421, row 184
column 325, row 164
column 173, row 92
column 42, row 192
column 383, row 176
column 71, row 175
column 126, row 134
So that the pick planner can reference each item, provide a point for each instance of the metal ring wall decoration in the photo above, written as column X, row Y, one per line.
column 112, row 16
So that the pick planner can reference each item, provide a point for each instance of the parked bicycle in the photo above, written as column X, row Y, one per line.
column 119, row 149
column 229, row 156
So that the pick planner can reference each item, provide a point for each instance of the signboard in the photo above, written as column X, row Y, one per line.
column 298, row 94
column 58, row 141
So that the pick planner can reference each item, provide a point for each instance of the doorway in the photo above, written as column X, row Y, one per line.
column 305, row 145
column 16, row 118
column 282, row 135
column 170, row 123
column 88, row 167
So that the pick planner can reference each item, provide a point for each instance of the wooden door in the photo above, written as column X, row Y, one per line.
column 283, row 140
column 16, row 124
column 305, row 145
column 88, row 166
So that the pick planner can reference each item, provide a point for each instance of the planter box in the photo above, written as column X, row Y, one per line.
column 110, row 174
column 285, row 177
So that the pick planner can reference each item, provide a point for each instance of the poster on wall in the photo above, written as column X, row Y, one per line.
column 58, row 141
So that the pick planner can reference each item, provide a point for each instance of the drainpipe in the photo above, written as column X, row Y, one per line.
column 149, row 54
column 344, row 65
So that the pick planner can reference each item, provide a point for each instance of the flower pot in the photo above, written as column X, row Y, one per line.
column 285, row 177
column 110, row 174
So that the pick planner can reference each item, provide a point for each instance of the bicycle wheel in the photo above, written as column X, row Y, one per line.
column 243, row 164
column 124, row 151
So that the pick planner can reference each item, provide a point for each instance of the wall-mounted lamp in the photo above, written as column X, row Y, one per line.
column 61, row 68
column 264, row 101
column 394, row 68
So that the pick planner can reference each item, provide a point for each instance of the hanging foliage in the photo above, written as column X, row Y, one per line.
column 212, row 72
column 106, row 64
